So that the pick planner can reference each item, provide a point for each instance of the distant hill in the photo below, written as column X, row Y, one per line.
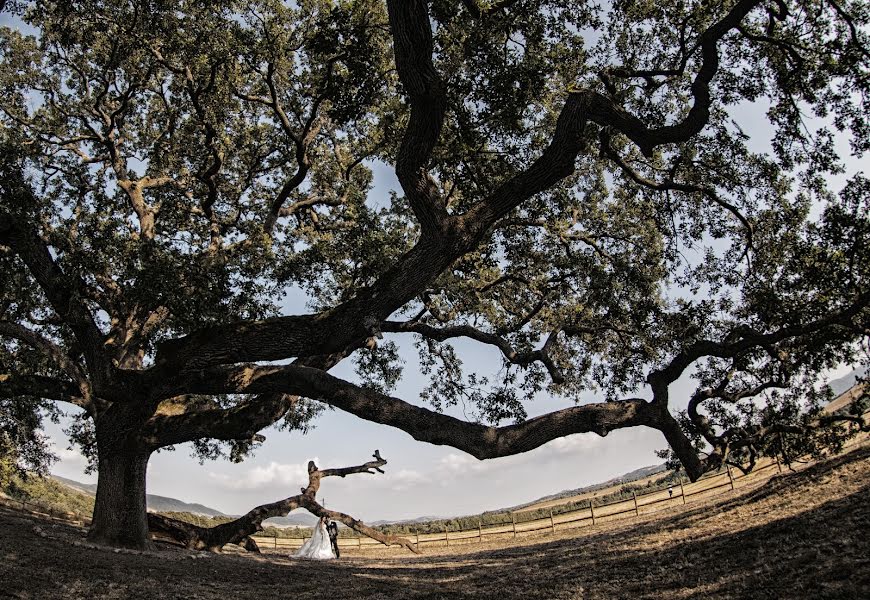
column 154, row 503
column 640, row 473
column 300, row 519
column 426, row 519
column 838, row 386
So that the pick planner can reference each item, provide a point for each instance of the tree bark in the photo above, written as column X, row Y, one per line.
column 119, row 517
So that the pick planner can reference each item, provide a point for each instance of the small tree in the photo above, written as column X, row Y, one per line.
column 576, row 192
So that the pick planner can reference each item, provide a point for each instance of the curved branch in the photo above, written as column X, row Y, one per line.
column 739, row 437
column 720, row 391
column 676, row 186
column 15, row 384
column 60, row 290
column 50, row 350
column 240, row 422
column 508, row 351
column 423, row 424
column 413, row 47
column 743, row 339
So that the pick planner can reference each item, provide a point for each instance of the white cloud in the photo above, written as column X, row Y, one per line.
column 68, row 457
column 455, row 464
column 262, row 477
column 405, row 480
column 576, row 442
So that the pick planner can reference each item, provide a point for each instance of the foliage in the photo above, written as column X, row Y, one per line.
column 578, row 194
column 48, row 493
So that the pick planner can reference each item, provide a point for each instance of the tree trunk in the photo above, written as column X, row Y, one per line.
column 120, row 517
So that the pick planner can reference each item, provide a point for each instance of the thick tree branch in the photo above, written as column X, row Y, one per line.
column 240, row 422
column 16, row 384
column 413, row 46
column 581, row 107
column 60, row 289
column 50, row 350
column 423, row 424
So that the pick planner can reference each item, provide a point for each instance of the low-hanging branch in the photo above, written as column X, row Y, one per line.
column 239, row 531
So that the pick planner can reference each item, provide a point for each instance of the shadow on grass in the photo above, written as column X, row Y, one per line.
column 818, row 553
column 698, row 552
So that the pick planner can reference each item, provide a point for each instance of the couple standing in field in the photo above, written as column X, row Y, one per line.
column 323, row 544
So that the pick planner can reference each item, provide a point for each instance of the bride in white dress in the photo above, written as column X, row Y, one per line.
column 318, row 547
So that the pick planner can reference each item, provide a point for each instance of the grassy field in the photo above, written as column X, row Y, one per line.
column 797, row 535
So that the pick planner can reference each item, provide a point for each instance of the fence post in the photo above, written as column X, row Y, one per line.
column 479, row 530
column 514, row 525
column 636, row 511
column 592, row 510
column 730, row 478
column 275, row 540
column 417, row 535
column 552, row 522
column 446, row 537
column 682, row 491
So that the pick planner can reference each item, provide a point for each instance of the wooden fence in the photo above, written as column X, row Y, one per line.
column 679, row 494
column 637, row 505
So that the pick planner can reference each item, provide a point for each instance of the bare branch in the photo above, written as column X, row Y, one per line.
column 239, row 530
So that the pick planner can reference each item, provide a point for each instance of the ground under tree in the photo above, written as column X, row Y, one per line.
column 576, row 193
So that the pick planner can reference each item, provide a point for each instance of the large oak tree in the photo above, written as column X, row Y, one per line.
column 578, row 191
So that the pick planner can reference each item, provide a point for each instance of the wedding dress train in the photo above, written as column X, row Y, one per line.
column 318, row 547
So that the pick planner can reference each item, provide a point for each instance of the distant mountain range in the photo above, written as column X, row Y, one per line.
column 154, row 503
column 838, row 386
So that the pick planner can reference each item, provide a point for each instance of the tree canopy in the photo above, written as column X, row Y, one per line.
column 582, row 188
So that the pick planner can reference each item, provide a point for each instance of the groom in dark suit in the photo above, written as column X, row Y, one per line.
column 332, row 530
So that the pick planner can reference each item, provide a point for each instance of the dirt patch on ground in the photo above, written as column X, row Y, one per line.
column 799, row 535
